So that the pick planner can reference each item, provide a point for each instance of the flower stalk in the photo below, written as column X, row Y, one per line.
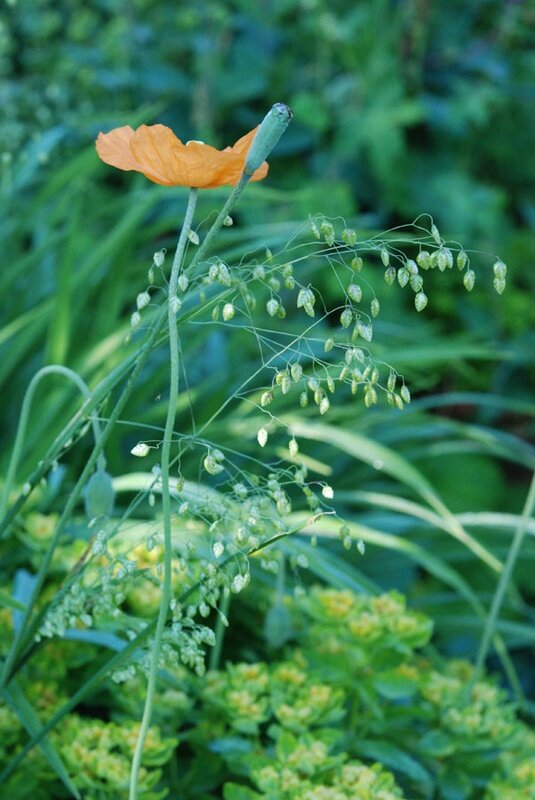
column 166, row 495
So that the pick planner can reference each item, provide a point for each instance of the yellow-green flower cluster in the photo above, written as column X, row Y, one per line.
column 249, row 695
column 303, row 770
column 98, row 756
column 481, row 717
column 519, row 784
column 334, row 621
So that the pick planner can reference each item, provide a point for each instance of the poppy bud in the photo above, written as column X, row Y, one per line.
column 270, row 131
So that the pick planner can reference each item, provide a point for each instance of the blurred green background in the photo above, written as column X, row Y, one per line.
column 400, row 108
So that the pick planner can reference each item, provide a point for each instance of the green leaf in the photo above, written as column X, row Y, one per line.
column 391, row 463
column 15, row 697
column 234, row 791
column 396, row 759
column 10, row 602
column 277, row 625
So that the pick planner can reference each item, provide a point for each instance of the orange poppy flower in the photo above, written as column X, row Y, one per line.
column 157, row 153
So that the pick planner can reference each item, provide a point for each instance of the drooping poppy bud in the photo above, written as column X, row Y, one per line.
column 268, row 134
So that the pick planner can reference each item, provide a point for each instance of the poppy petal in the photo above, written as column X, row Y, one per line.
column 114, row 148
column 157, row 153
column 154, row 148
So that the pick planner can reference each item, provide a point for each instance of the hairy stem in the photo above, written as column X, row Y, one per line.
column 166, row 496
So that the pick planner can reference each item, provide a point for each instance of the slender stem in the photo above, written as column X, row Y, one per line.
column 75, row 423
column 23, row 635
column 53, row 369
column 220, row 628
column 505, row 578
column 166, row 495
column 219, row 220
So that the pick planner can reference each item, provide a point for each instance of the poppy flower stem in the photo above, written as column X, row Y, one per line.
column 166, row 497
column 219, row 220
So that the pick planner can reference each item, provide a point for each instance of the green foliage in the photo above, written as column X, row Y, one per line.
column 399, row 108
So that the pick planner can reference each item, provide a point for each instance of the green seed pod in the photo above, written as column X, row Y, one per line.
column 349, row 236
column 287, row 270
column 469, row 279
column 420, row 301
column 211, row 465
column 228, row 312
column 223, row 274
column 444, row 259
column 213, row 272
column 296, row 371
column 499, row 285
column 462, row 260
column 262, row 437
column 268, row 134
column 272, row 306
column 403, row 277
column 500, row 270
column 327, row 230
column 159, row 257
column 390, row 275
column 266, row 398
column 357, row 263
column 346, row 318
column 354, row 291
column 370, row 396
column 423, row 259
column 314, row 230
column 435, row 234
column 385, row 256
column 303, row 399
column 366, row 331
column 324, row 405
column 329, row 344
column 250, row 300
column 305, row 297
column 416, row 282
column 99, row 495
column 375, row 307
column 142, row 300
column 405, row 394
